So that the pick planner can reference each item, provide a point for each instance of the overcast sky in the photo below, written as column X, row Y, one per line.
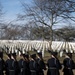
column 12, row 7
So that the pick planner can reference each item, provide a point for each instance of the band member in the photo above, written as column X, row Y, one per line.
column 22, row 65
column 53, row 64
column 41, row 64
column 68, row 64
column 33, row 65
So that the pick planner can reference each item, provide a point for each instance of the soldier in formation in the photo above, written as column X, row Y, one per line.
column 68, row 64
column 7, row 64
column 27, row 64
column 53, row 64
column 34, row 64
column 41, row 64
column 22, row 65
column 15, row 64
column 2, row 64
column 11, row 65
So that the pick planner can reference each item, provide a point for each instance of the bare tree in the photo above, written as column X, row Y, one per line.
column 2, row 24
column 49, row 13
column 15, row 32
column 40, row 33
column 1, row 12
column 66, row 33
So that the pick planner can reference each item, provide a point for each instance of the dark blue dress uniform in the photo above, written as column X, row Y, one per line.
column 2, row 64
column 27, row 64
column 16, row 67
column 53, row 65
column 10, row 67
column 7, row 63
column 22, row 66
column 33, row 65
column 68, row 65
column 15, row 64
column 41, row 64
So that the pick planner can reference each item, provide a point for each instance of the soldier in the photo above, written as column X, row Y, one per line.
column 2, row 64
column 41, row 64
column 22, row 65
column 7, row 64
column 33, row 65
column 68, row 64
column 15, row 64
column 53, row 64
column 27, row 64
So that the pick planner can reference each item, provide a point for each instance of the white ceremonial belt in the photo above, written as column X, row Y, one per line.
column 32, row 70
column 69, row 68
column 22, row 69
column 52, row 68
column 11, row 70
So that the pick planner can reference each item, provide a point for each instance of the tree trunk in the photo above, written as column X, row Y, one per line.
column 51, row 33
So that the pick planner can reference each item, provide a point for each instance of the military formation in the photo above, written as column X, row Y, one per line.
column 34, row 64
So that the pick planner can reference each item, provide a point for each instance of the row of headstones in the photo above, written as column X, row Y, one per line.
column 42, row 46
